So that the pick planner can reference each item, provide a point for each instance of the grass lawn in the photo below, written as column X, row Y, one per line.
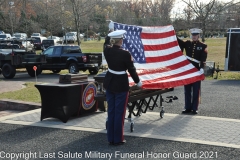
column 92, row 46
column 216, row 53
column 28, row 94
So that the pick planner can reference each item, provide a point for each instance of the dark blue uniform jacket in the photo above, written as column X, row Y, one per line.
column 119, row 60
column 196, row 50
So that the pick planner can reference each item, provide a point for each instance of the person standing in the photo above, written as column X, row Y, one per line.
column 116, row 84
column 196, row 53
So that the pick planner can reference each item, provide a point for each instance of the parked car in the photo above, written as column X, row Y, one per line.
column 19, row 36
column 5, row 36
column 14, row 48
column 58, row 39
column 70, row 37
column 71, row 57
column 28, row 45
column 49, row 42
column 38, row 42
column 8, row 46
column 36, row 35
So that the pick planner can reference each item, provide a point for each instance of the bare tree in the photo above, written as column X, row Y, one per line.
column 145, row 12
column 80, row 9
column 162, row 11
column 202, row 11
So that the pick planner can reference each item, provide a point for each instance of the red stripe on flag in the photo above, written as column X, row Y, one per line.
column 170, row 84
column 164, row 68
column 160, row 47
column 164, row 58
column 157, row 35
column 169, row 77
column 155, row 83
column 172, row 76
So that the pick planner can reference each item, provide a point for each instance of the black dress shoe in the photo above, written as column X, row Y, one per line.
column 194, row 112
column 120, row 143
column 186, row 111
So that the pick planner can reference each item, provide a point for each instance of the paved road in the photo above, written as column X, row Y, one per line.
column 220, row 99
column 52, row 138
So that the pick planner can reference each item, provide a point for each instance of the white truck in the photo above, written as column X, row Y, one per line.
column 70, row 37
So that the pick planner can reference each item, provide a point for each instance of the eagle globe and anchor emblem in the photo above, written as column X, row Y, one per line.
column 88, row 96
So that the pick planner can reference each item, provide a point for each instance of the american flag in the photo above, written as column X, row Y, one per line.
column 157, row 56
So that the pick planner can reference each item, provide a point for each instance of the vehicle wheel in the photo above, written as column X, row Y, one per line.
column 56, row 70
column 8, row 71
column 93, row 70
column 72, row 68
column 31, row 72
column 39, row 70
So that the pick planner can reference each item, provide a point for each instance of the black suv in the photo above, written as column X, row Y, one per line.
column 9, row 46
column 17, row 44
column 47, row 43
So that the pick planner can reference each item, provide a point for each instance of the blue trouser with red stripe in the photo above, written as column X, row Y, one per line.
column 192, row 92
column 117, row 103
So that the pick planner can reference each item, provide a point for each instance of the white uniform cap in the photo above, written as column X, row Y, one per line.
column 117, row 34
column 195, row 31
column 111, row 26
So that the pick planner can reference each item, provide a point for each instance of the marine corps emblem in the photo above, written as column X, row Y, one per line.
column 88, row 96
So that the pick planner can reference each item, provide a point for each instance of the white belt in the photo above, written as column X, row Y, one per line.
column 192, row 59
column 116, row 72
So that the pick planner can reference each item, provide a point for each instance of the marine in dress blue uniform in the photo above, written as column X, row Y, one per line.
column 196, row 52
column 117, row 86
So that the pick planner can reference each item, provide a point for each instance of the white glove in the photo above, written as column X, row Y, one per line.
column 111, row 26
column 201, row 71
column 139, row 84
